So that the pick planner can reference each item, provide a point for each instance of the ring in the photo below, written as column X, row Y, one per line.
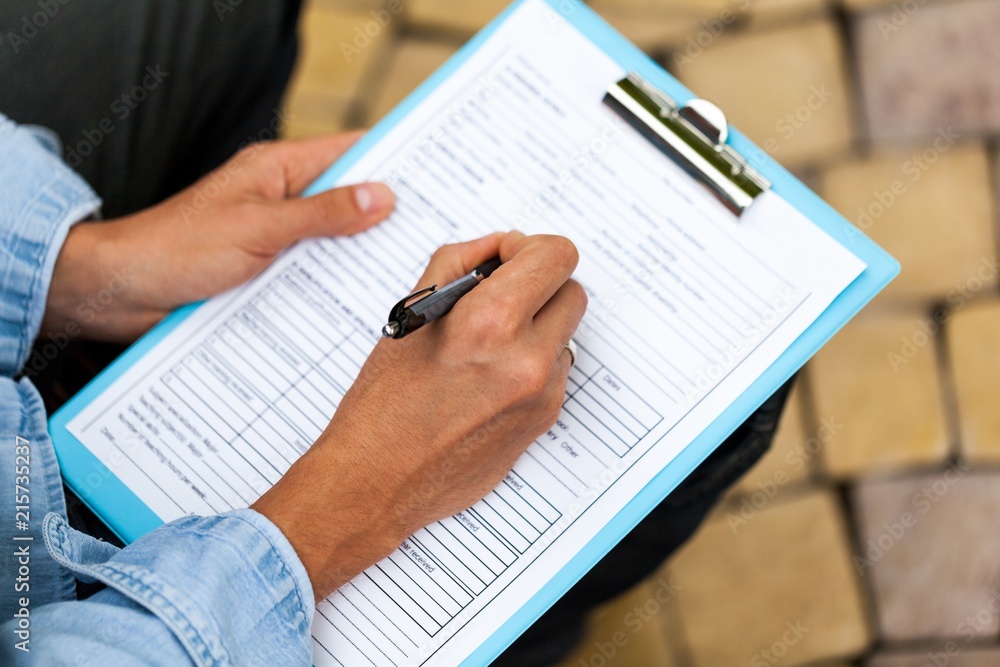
column 571, row 347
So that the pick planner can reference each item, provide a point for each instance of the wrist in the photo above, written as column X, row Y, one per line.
column 337, row 530
column 94, row 292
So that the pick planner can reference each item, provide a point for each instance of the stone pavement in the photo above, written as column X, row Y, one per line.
column 871, row 534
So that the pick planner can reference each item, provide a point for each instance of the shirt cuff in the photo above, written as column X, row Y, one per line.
column 230, row 587
column 42, row 198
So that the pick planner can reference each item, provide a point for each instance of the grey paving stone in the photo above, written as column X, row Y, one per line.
column 925, row 66
column 929, row 547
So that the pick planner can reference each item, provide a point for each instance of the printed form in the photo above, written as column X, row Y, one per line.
column 688, row 306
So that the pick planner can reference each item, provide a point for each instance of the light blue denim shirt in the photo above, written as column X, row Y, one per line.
column 224, row 590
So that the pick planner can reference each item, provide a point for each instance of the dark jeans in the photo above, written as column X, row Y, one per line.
column 148, row 96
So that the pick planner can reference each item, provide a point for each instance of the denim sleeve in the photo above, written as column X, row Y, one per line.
column 40, row 199
column 225, row 590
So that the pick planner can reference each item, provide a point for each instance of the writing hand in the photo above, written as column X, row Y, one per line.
column 435, row 420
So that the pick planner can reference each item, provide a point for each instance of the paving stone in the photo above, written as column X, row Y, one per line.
column 798, row 117
column 654, row 34
column 349, row 4
column 927, row 69
column 711, row 14
column 660, row 8
column 743, row 594
column 411, row 63
column 959, row 656
column 974, row 349
column 310, row 115
column 338, row 50
column 766, row 12
column 929, row 547
column 877, row 382
column 624, row 634
column 648, row 23
column 865, row 5
column 464, row 18
column 303, row 128
column 788, row 461
column 931, row 208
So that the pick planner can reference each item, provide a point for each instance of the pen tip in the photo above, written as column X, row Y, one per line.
column 390, row 330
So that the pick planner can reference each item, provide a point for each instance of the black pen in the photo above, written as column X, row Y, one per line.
column 407, row 317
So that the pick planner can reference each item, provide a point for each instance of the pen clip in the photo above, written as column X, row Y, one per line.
column 399, row 310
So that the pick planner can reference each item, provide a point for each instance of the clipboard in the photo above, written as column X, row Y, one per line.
column 736, row 172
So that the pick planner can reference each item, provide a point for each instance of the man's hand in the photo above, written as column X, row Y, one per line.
column 115, row 279
column 436, row 419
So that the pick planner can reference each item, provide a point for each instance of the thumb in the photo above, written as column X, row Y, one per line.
column 338, row 212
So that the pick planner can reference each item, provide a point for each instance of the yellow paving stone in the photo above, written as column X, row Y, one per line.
column 930, row 207
column 338, row 50
column 412, row 62
column 650, row 26
column 624, row 634
column 765, row 12
column 878, row 382
column 655, row 34
column 974, row 349
column 302, row 128
column 710, row 15
column 950, row 653
column 863, row 5
column 349, row 4
column 788, row 461
column 781, row 590
column 654, row 9
column 464, row 17
column 785, row 88
column 310, row 115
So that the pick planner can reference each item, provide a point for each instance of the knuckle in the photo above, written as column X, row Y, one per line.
column 563, row 251
column 531, row 374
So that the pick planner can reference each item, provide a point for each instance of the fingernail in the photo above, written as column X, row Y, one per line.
column 372, row 197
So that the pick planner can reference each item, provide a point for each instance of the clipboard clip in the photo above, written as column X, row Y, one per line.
column 694, row 135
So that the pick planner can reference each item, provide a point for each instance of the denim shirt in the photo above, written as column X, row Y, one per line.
column 223, row 590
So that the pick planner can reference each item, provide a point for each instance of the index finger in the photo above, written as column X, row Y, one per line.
column 533, row 269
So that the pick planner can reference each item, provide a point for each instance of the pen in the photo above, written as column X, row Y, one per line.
column 407, row 317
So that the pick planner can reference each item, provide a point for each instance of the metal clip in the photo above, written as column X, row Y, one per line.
column 693, row 135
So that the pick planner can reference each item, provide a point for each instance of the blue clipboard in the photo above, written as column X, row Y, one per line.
column 129, row 518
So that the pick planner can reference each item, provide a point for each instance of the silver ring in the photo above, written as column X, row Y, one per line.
column 571, row 347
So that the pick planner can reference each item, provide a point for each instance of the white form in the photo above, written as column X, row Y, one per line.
column 688, row 306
